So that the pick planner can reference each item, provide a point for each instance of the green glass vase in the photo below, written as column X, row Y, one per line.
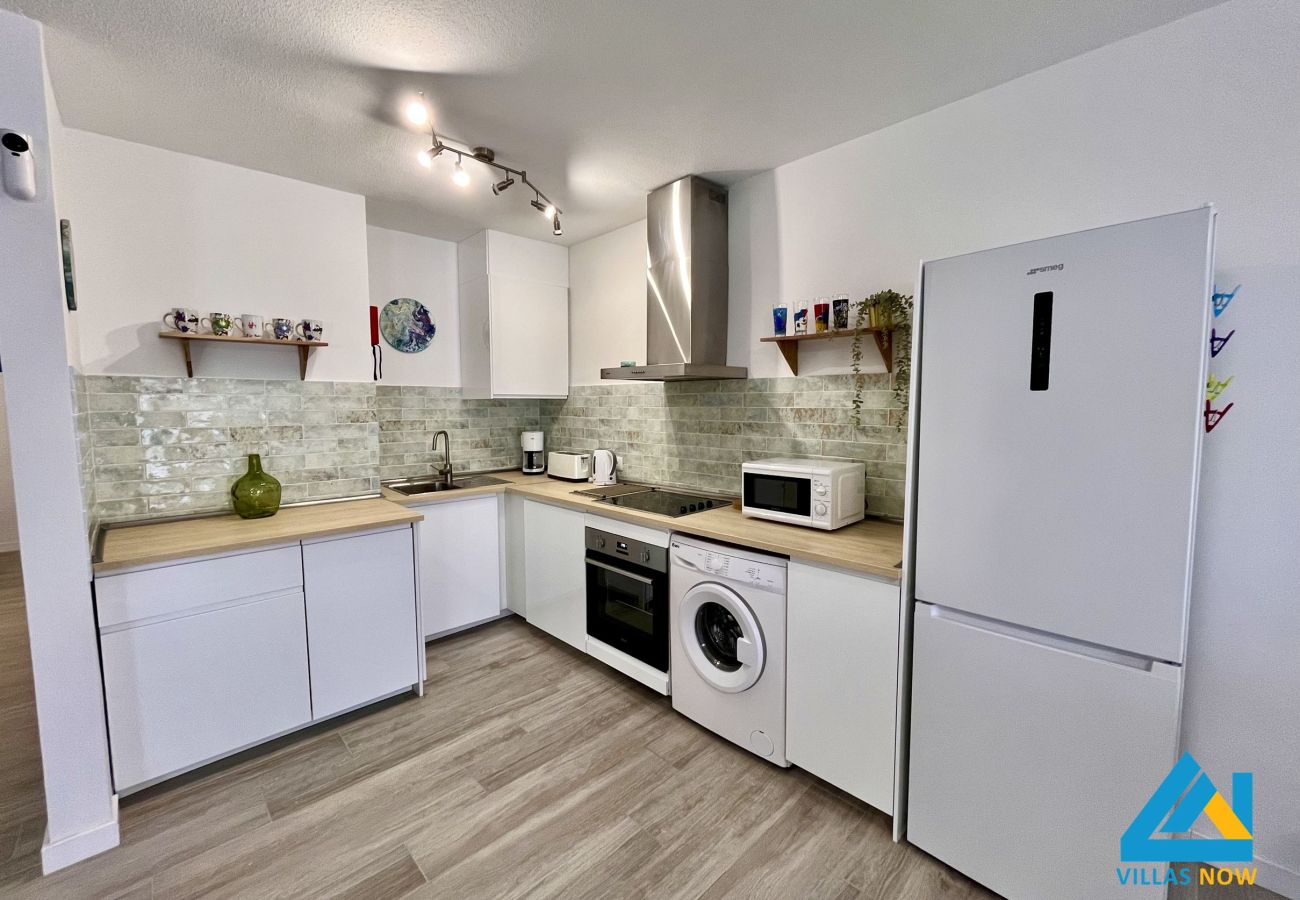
column 256, row 494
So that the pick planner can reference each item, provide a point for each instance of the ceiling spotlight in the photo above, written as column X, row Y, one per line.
column 502, row 185
column 460, row 176
column 555, row 225
column 537, row 205
column 425, row 157
column 417, row 111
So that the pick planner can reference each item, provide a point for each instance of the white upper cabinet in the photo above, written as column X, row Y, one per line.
column 514, row 316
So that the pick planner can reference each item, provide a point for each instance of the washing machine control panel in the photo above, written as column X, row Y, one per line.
column 763, row 575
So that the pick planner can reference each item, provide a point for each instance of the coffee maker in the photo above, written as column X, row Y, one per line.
column 534, row 460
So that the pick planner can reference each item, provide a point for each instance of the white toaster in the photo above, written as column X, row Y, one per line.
column 569, row 466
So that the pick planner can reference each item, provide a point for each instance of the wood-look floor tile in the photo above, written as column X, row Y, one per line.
column 528, row 769
column 24, row 862
column 572, row 830
column 797, row 853
column 391, row 875
column 160, row 831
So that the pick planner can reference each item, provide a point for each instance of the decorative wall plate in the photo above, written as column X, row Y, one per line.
column 407, row 325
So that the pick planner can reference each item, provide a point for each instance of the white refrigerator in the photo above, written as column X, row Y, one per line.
column 1056, row 449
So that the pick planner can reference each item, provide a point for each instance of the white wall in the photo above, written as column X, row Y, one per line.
column 409, row 265
column 1202, row 109
column 8, row 512
column 607, row 295
column 1205, row 108
column 152, row 229
column 80, row 807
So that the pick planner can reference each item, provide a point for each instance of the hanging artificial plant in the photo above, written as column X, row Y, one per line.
column 885, row 309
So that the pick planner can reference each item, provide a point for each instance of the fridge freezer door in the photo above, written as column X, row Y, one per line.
column 1029, row 761
column 1061, row 392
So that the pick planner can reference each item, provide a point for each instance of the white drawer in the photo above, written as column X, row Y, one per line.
column 191, row 689
column 188, row 587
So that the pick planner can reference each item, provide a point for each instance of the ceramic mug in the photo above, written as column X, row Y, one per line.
column 219, row 323
column 250, row 325
column 282, row 329
column 310, row 330
column 182, row 319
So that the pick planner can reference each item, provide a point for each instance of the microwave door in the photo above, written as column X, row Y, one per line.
column 789, row 495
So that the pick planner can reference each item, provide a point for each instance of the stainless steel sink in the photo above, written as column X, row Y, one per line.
column 473, row 481
column 412, row 486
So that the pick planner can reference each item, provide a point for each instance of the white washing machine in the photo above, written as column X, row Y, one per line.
column 727, row 616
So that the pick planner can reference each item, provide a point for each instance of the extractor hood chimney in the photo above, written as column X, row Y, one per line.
column 686, row 286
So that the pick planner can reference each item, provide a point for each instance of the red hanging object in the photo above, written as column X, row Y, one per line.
column 1214, row 416
column 376, row 352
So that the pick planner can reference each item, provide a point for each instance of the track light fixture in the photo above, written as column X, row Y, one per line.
column 418, row 112
column 459, row 175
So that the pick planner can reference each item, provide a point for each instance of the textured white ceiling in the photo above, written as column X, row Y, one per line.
column 600, row 100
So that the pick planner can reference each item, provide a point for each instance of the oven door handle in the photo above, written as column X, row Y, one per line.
column 616, row 570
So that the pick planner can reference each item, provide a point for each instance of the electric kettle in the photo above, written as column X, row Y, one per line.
column 603, row 465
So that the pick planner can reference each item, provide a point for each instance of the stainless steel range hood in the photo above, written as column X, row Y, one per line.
column 686, row 286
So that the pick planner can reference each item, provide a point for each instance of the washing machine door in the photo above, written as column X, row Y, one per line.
column 720, row 635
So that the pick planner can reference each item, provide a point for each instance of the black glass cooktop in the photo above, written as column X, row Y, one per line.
column 665, row 503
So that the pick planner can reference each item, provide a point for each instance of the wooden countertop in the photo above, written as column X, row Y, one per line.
column 154, row 542
column 873, row 547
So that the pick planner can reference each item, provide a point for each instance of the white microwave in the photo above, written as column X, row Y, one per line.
column 813, row 492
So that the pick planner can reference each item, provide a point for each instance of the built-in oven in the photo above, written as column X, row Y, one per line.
column 627, row 597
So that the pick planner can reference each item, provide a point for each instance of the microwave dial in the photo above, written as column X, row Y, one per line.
column 819, row 488
column 820, row 509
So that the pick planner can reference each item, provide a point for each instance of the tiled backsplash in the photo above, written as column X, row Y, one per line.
column 81, row 420
column 165, row 446
column 484, row 433
column 697, row 433
column 162, row 446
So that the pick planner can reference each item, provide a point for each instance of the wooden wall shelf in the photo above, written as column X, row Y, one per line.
column 304, row 347
column 789, row 343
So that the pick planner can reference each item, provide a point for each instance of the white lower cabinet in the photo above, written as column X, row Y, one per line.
column 841, row 679
column 361, row 618
column 203, row 658
column 460, row 563
column 200, row 660
column 555, row 571
column 191, row 689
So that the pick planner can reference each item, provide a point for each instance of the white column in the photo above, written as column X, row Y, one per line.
column 80, row 804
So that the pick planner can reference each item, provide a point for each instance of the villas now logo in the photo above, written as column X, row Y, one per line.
column 1177, row 803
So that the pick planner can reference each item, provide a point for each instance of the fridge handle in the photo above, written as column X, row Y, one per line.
column 1161, row 669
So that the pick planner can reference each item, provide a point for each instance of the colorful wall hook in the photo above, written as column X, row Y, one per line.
column 1221, row 299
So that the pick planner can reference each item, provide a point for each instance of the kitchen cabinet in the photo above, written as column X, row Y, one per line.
column 460, row 563
column 555, row 571
column 514, row 317
column 516, row 578
column 841, row 679
column 361, row 618
column 207, row 656
column 201, row 659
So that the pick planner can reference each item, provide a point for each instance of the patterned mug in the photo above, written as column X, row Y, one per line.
column 282, row 329
column 219, row 323
column 181, row 319
column 250, row 325
column 310, row 330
